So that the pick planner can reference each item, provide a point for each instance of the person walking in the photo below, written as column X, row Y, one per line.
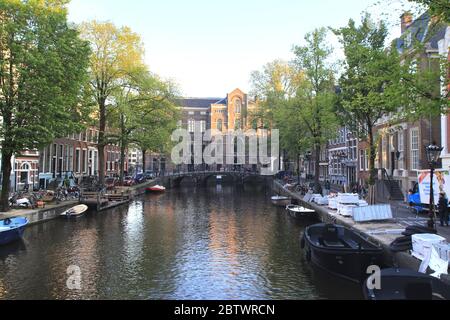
column 443, row 209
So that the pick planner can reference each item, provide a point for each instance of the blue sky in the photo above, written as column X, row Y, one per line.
column 210, row 47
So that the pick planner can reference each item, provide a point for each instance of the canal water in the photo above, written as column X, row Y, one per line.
column 219, row 242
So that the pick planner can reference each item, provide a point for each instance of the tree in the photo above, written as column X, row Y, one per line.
column 276, row 82
column 315, row 99
column 43, row 65
column 117, row 53
column 439, row 8
column 371, row 83
column 142, row 114
column 157, row 116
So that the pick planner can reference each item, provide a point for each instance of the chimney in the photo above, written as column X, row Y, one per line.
column 406, row 20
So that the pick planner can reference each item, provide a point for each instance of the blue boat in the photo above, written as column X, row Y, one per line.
column 12, row 229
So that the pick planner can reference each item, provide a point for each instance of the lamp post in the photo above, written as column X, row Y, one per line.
column 433, row 153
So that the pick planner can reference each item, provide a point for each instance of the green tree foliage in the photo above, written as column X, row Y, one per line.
column 439, row 8
column 315, row 98
column 143, row 114
column 117, row 54
column 158, row 116
column 371, row 83
column 298, row 98
column 43, row 67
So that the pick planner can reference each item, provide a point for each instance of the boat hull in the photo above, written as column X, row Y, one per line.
column 75, row 212
column 348, row 263
column 300, row 214
column 403, row 284
column 15, row 231
column 281, row 202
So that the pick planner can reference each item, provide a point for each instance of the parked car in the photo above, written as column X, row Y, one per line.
column 149, row 175
column 128, row 181
column 111, row 183
column 139, row 178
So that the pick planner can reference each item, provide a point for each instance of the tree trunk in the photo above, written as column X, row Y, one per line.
column 372, row 170
column 102, row 143
column 6, row 172
column 122, row 149
column 144, row 164
column 317, row 186
column 122, row 163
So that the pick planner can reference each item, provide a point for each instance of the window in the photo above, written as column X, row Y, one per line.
column 191, row 125
column 203, row 126
column 191, row 113
column 384, row 152
column 401, row 149
column 238, row 124
column 362, row 160
column 237, row 106
column 415, row 149
column 84, row 160
column 204, row 113
column 70, row 167
column 220, row 125
column 366, row 155
column 77, row 161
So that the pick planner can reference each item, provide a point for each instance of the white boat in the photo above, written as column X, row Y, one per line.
column 156, row 188
column 281, row 201
column 299, row 211
column 75, row 212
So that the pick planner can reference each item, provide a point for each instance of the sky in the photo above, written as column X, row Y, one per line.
column 210, row 47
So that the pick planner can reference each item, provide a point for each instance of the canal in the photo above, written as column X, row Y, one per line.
column 219, row 242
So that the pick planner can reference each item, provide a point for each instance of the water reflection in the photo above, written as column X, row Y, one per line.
column 218, row 242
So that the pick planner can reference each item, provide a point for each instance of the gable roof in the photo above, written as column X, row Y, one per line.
column 200, row 103
column 420, row 31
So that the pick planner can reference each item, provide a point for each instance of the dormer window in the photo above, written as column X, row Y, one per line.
column 408, row 40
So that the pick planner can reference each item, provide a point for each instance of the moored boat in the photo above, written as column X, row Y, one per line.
column 299, row 211
column 12, row 229
column 341, row 251
column 281, row 201
column 75, row 212
column 404, row 284
column 156, row 188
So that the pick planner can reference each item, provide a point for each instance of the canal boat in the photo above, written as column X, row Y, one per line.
column 340, row 251
column 75, row 212
column 156, row 189
column 281, row 201
column 299, row 211
column 405, row 284
column 12, row 229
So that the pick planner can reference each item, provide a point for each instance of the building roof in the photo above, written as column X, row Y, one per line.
column 200, row 103
column 419, row 31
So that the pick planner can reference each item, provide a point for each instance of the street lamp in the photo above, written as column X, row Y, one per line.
column 433, row 153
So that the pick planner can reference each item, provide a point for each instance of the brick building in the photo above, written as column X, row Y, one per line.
column 401, row 147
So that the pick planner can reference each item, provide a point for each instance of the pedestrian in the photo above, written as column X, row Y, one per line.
column 443, row 209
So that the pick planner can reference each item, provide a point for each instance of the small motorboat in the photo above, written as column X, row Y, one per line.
column 75, row 212
column 281, row 201
column 156, row 188
column 341, row 251
column 404, row 284
column 12, row 229
column 299, row 211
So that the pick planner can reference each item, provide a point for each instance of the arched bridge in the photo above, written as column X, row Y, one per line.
column 199, row 178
